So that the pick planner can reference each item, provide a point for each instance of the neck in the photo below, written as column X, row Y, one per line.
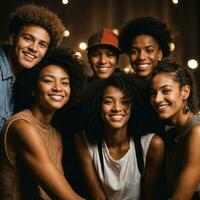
column 42, row 115
column 117, row 137
column 181, row 125
column 182, row 120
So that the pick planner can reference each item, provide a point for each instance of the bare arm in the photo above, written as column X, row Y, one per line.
column 87, row 167
column 190, row 175
column 60, row 153
column 31, row 147
column 153, row 165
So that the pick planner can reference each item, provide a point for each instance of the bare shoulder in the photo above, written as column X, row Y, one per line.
column 194, row 132
column 156, row 149
column 156, row 143
column 24, row 134
column 22, row 128
column 194, row 138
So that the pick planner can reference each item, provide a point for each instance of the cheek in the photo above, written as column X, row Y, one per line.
column 93, row 61
column 67, row 91
column 132, row 58
column 104, row 111
column 113, row 61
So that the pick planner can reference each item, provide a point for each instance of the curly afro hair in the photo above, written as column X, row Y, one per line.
column 32, row 14
column 132, row 87
column 149, row 26
column 26, row 84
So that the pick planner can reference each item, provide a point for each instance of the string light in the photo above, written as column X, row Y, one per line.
column 66, row 33
column 172, row 46
column 128, row 69
column 175, row 1
column 78, row 54
column 192, row 63
column 65, row 2
column 116, row 31
column 83, row 46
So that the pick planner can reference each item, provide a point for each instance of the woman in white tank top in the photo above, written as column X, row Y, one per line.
column 107, row 148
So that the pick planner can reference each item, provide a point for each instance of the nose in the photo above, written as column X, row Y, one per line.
column 57, row 87
column 117, row 106
column 157, row 98
column 33, row 46
column 102, row 59
column 142, row 55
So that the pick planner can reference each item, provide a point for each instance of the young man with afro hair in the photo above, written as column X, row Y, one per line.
column 33, row 30
column 146, row 41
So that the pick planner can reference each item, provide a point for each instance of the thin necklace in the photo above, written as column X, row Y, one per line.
column 178, row 137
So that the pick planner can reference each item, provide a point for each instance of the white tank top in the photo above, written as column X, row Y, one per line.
column 121, row 178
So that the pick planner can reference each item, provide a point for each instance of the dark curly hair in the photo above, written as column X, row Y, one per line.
column 183, row 76
column 129, row 84
column 149, row 26
column 26, row 83
column 32, row 14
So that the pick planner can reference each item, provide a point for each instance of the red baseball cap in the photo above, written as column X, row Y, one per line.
column 104, row 37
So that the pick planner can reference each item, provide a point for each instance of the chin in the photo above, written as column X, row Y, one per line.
column 163, row 116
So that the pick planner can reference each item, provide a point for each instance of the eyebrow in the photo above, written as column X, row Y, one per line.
column 165, row 86
column 32, row 36
column 52, row 76
column 136, row 47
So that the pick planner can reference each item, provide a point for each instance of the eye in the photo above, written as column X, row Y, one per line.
column 150, row 50
column 134, row 52
column 110, row 54
column 166, row 91
column 95, row 54
column 27, row 38
column 126, row 102
column 65, row 83
column 107, row 101
column 48, row 81
column 43, row 45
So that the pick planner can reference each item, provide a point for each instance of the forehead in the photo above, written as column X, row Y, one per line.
column 54, row 70
column 144, row 40
column 113, row 91
column 163, row 79
column 37, row 32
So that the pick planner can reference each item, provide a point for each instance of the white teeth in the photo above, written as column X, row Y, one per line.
column 103, row 69
column 161, row 107
column 142, row 65
column 56, row 97
column 29, row 55
column 116, row 117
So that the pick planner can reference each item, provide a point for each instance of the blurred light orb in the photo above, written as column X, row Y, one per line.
column 172, row 46
column 78, row 54
column 175, row 1
column 66, row 33
column 127, row 70
column 115, row 31
column 65, row 2
column 83, row 46
column 192, row 63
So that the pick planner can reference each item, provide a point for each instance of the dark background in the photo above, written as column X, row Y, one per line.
column 84, row 17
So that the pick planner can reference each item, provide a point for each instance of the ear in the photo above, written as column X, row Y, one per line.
column 185, row 92
column 160, row 55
